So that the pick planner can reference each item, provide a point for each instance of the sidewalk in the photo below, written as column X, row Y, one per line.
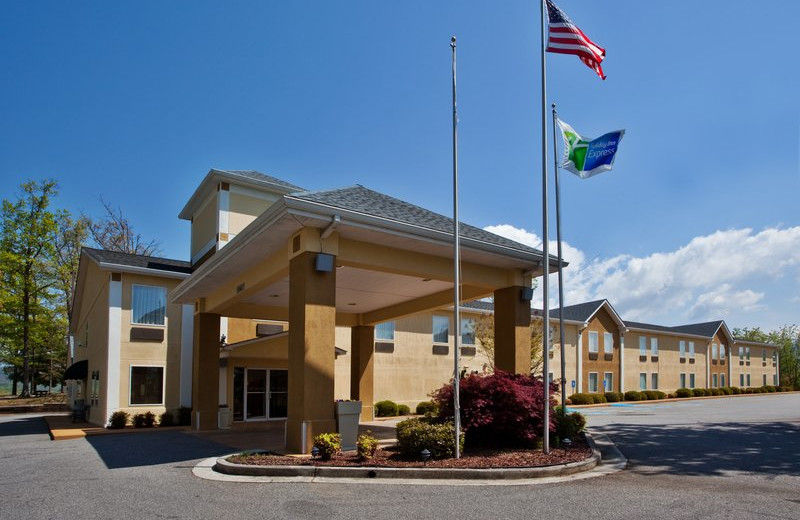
column 62, row 428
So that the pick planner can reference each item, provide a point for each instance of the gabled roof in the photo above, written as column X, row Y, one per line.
column 368, row 202
column 109, row 258
column 250, row 178
column 705, row 330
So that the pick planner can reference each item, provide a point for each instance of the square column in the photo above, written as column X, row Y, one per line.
column 205, row 371
column 512, row 331
column 362, row 368
column 312, row 332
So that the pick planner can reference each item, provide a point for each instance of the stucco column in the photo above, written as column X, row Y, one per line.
column 205, row 371
column 312, row 331
column 622, row 363
column 512, row 331
column 362, row 368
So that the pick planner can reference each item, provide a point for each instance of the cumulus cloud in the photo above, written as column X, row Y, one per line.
column 708, row 278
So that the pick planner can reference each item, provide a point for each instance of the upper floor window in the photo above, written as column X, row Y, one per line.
column 148, row 305
column 642, row 346
column 608, row 343
column 467, row 331
column 441, row 328
column 774, row 357
column 654, row 347
column 384, row 331
column 682, row 348
column 593, row 340
column 722, row 351
column 764, row 355
column 714, row 354
column 691, row 350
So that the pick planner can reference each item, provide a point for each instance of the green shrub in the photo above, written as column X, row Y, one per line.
column 779, row 389
column 735, row 390
column 403, row 409
column 770, row 388
column 144, row 420
column 568, row 426
column 614, row 397
column 651, row 395
column 427, row 407
column 366, row 446
column 415, row 435
column 726, row 390
column 786, row 388
column 166, row 419
column 328, row 444
column 634, row 395
column 698, row 392
column 386, row 409
column 118, row 420
column 683, row 392
column 581, row 398
column 598, row 398
column 184, row 416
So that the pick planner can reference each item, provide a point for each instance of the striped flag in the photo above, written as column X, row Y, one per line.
column 565, row 38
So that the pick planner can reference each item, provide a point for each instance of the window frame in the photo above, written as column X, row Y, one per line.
column 608, row 346
column 377, row 329
column 446, row 330
column 691, row 350
column 471, row 322
column 682, row 349
column 714, row 380
column 682, row 380
column 642, row 381
column 608, row 376
column 130, row 385
column 692, row 380
column 133, row 314
column 714, row 351
column 654, row 347
column 654, row 380
column 596, row 382
column 643, row 345
column 594, row 334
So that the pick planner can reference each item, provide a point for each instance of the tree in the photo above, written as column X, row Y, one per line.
column 27, row 242
column 788, row 339
column 484, row 333
column 113, row 232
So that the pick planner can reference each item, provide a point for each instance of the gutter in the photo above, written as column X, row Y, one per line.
column 106, row 266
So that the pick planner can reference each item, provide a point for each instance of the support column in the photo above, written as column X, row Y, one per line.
column 622, row 363
column 312, row 331
column 579, row 358
column 205, row 371
column 512, row 331
column 362, row 368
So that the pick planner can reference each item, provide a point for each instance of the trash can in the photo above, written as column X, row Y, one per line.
column 347, row 416
column 224, row 417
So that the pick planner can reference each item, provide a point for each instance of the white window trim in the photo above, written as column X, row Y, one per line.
column 433, row 332
column 596, row 382
column 640, row 381
column 642, row 345
column 394, row 332
column 596, row 342
column 691, row 350
column 682, row 349
column 654, row 347
column 163, row 385
column 654, row 386
column 166, row 306
column 608, row 349
column 611, row 389
column 461, row 332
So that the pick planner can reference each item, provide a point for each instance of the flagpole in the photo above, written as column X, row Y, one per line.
column 456, row 266
column 560, row 269
column 545, row 247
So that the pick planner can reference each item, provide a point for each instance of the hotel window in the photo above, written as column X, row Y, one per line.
column 654, row 347
column 551, row 340
column 608, row 382
column 642, row 346
column 593, row 347
column 748, row 379
column 682, row 349
column 593, row 382
column 550, row 377
column 384, row 331
column 654, row 381
column 722, row 352
column 441, row 328
column 774, row 357
column 148, row 305
column 683, row 381
column 714, row 354
column 775, row 379
column 741, row 355
column 764, row 380
column 722, row 380
column 713, row 380
column 691, row 350
column 147, row 385
column 763, row 355
column 747, row 353
column 691, row 380
column 741, row 379
column 642, row 381
column 467, row 331
column 608, row 343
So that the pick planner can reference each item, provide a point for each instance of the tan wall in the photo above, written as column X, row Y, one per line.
column 668, row 366
column 242, row 329
column 718, row 365
column 244, row 209
column 204, row 225
column 601, row 323
column 570, row 355
column 756, row 368
column 94, row 345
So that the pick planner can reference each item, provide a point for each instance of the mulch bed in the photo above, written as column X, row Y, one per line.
column 480, row 459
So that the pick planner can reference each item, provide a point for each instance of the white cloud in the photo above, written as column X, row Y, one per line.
column 708, row 278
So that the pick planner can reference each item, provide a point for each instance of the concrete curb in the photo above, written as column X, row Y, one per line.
column 225, row 467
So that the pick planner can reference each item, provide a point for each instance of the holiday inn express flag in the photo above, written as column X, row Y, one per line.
column 564, row 37
column 586, row 157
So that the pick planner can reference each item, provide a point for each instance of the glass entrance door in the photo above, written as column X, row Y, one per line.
column 278, row 393
column 256, row 397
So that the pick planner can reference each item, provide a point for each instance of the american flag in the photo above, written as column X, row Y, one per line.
column 565, row 38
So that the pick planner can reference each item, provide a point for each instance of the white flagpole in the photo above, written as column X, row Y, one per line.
column 545, row 246
column 456, row 268
column 560, row 269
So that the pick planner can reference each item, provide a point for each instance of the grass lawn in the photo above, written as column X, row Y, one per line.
column 10, row 400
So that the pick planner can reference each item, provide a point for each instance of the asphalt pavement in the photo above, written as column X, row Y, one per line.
column 717, row 458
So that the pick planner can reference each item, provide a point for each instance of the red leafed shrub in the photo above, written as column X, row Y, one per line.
column 500, row 409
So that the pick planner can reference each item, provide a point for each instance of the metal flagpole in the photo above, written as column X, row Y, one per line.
column 560, row 269
column 545, row 247
column 456, row 268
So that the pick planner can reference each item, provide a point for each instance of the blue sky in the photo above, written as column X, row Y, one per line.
column 136, row 101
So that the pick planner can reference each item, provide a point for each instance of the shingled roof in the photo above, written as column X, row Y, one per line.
column 142, row 261
column 577, row 312
column 257, row 176
column 363, row 200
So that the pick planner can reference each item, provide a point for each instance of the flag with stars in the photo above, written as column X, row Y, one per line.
column 565, row 38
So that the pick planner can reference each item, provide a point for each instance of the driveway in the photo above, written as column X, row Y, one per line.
column 717, row 458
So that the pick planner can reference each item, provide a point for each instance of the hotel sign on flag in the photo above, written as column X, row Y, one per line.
column 586, row 157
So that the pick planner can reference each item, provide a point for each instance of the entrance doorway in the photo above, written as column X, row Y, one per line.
column 260, row 393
